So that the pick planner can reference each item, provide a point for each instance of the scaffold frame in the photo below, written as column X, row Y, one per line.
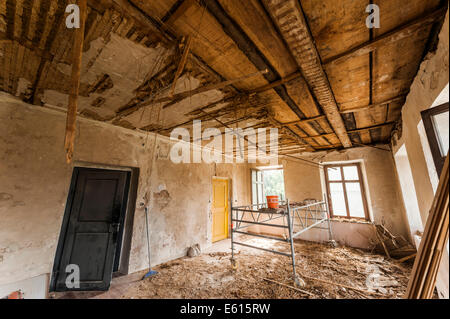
column 297, row 219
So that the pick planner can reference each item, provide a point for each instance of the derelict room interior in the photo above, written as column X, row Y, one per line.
column 293, row 149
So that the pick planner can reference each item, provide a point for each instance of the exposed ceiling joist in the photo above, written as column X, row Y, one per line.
column 130, row 9
column 362, row 129
column 291, row 22
column 125, row 111
column 371, row 106
column 246, row 45
column 311, row 119
column 176, row 11
column 289, row 132
column 157, row 28
column 396, row 34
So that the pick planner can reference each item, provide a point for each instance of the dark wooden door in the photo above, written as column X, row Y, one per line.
column 92, row 224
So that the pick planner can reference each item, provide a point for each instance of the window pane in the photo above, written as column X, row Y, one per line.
column 351, row 173
column 337, row 199
column 334, row 174
column 354, row 197
column 440, row 122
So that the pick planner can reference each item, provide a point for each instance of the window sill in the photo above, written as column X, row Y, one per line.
column 350, row 220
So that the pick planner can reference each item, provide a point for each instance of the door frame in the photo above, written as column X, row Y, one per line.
column 126, row 228
column 229, row 203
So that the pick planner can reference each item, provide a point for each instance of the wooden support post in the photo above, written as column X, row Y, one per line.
column 75, row 83
column 381, row 240
column 187, row 47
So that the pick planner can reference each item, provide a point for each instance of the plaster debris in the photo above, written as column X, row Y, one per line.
column 342, row 273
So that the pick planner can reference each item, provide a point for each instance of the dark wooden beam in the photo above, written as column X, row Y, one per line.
column 142, row 17
column 177, row 10
column 396, row 34
column 246, row 45
column 26, row 18
column 308, row 120
column 10, row 18
column 59, row 16
column 291, row 22
column 274, row 84
column 41, row 23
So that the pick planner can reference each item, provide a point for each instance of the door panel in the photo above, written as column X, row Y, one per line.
column 220, row 210
column 97, row 203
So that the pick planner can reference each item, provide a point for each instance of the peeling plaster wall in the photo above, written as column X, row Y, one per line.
column 34, row 184
column 431, row 79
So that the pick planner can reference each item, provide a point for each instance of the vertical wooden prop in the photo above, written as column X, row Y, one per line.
column 187, row 47
column 426, row 266
column 75, row 82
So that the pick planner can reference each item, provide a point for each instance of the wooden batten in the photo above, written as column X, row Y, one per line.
column 187, row 47
column 426, row 266
column 75, row 83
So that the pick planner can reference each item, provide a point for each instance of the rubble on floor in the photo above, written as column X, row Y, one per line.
column 341, row 273
column 393, row 246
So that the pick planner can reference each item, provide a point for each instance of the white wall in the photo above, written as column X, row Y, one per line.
column 428, row 89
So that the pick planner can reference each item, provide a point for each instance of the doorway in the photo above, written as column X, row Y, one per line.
column 92, row 230
column 220, row 209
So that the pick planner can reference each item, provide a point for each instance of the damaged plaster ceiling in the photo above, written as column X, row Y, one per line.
column 330, row 82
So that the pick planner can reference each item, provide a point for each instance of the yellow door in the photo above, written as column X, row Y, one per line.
column 220, row 210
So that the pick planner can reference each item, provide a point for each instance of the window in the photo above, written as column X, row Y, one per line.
column 274, row 183
column 267, row 182
column 345, row 191
column 435, row 121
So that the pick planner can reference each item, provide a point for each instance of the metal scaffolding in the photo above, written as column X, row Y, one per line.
column 296, row 218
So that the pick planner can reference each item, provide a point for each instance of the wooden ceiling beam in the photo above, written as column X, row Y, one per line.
column 58, row 19
column 290, row 20
column 308, row 120
column 351, row 131
column 167, row 38
column 10, row 18
column 371, row 106
column 246, row 45
column 177, row 10
column 274, row 84
column 136, row 13
column 289, row 132
column 396, row 34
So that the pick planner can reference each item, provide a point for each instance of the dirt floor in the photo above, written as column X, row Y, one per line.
column 328, row 272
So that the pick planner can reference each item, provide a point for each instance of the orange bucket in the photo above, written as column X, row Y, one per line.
column 272, row 201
